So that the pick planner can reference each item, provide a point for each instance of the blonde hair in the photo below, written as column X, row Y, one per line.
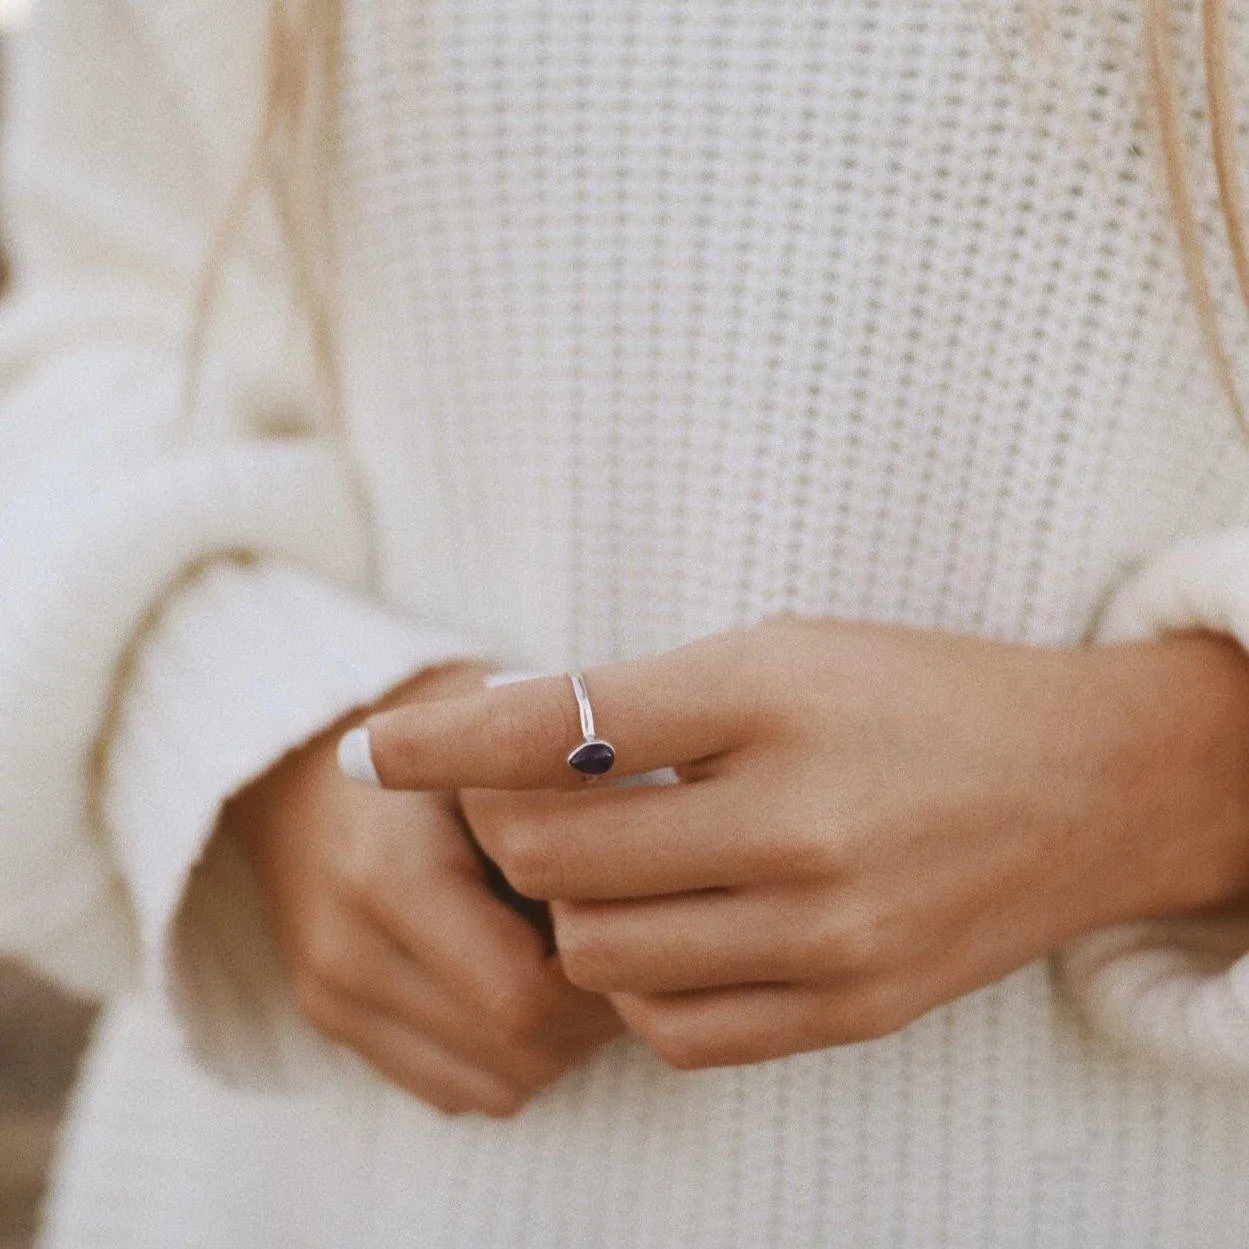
column 1160, row 60
column 293, row 152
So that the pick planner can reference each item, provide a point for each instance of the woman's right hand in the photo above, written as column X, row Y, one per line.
column 395, row 943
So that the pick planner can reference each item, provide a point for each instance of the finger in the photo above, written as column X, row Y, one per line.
column 757, row 1023
column 656, row 712
column 415, row 1062
column 697, row 941
column 488, row 958
column 388, row 982
column 630, row 843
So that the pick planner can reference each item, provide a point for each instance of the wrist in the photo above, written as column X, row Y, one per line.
column 1170, row 719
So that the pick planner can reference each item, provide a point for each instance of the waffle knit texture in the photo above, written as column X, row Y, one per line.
column 656, row 319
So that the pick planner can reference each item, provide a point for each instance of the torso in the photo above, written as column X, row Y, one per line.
column 668, row 316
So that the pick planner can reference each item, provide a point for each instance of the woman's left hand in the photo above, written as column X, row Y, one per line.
column 872, row 820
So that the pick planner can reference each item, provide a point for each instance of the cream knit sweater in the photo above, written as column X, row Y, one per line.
column 659, row 317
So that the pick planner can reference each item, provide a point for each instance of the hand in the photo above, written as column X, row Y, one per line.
column 872, row 820
column 396, row 946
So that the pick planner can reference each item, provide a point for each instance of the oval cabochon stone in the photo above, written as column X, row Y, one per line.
column 592, row 758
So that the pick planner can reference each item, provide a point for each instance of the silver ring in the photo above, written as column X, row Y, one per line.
column 593, row 757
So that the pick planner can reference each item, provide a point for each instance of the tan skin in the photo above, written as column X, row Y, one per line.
column 395, row 945
column 872, row 821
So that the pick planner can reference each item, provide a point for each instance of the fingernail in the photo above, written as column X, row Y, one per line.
column 355, row 756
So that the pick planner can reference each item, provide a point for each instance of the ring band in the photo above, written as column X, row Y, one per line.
column 593, row 757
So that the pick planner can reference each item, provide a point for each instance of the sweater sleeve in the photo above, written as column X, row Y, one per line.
column 179, row 608
column 1174, row 989
column 241, row 665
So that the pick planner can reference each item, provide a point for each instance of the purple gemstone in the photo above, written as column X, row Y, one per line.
column 592, row 758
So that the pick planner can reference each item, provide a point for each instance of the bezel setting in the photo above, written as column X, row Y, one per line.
column 593, row 757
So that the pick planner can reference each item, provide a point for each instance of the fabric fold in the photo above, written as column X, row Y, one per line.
column 85, row 561
column 245, row 664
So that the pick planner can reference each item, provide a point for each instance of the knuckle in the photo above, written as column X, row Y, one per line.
column 854, row 941
column 327, row 954
column 672, row 1041
column 802, row 848
column 738, row 648
column 781, row 641
column 876, row 1010
column 787, row 652
column 803, row 948
column 816, row 855
column 681, row 1052
column 361, row 876
column 517, row 1011
column 750, row 654
column 879, row 1019
column 363, row 864
column 397, row 744
column 526, row 857
column 587, row 964
column 584, row 958
column 524, row 731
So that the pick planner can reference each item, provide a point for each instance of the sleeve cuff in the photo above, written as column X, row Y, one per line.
column 1176, row 990
column 245, row 664
column 87, row 558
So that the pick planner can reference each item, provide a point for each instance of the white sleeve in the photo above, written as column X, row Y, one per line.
column 1175, row 989
column 243, row 664
column 175, row 613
